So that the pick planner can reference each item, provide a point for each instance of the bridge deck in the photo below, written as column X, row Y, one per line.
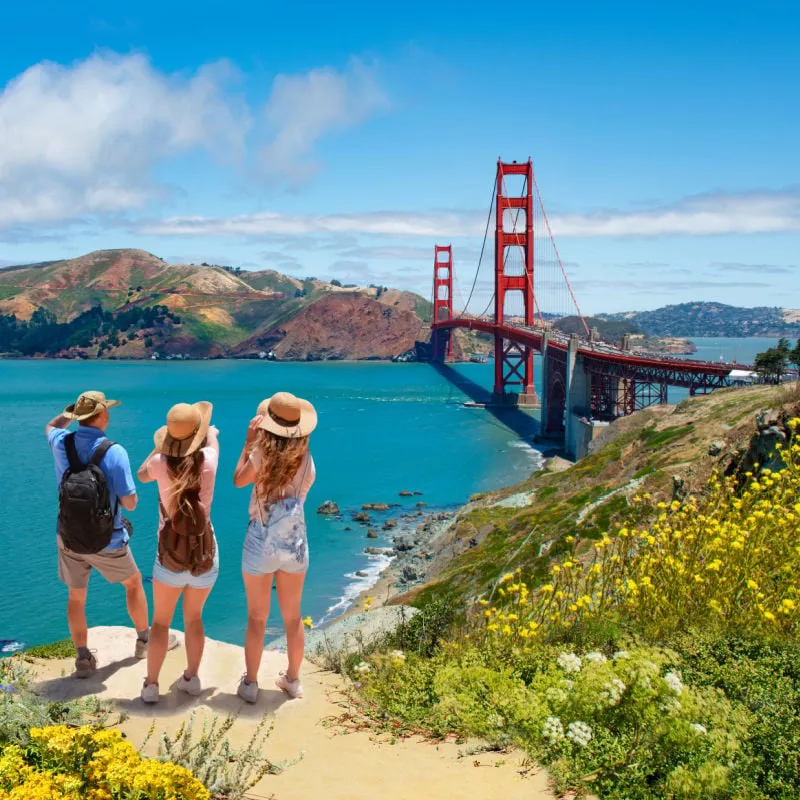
column 597, row 351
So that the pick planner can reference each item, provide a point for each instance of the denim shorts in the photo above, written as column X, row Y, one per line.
column 278, row 543
column 185, row 580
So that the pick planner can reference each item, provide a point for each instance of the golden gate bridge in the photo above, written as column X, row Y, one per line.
column 583, row 378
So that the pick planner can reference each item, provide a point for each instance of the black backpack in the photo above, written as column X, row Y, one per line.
column 85, row 516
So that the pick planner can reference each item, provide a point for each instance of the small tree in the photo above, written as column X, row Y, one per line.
column 771, row 364
column 794, row 358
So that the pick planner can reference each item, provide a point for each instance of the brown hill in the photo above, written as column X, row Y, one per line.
column 341, row 325
column 215, row 310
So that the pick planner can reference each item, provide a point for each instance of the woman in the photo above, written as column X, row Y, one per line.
column 184, row 464
column 276, row 460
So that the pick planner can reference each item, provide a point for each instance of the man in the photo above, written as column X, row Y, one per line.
column 114, row 562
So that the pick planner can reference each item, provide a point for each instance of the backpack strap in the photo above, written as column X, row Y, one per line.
column 72, row 452
column 98, row 455
column 100, row 451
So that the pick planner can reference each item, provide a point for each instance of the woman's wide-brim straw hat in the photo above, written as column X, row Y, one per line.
column 88, row 405
column 287, row 416
column 186, row 429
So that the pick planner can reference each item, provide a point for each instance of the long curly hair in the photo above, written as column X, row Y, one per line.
column 185, row 472
column 281, row 458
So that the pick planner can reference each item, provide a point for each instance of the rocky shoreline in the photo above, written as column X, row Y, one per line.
column 411, row 542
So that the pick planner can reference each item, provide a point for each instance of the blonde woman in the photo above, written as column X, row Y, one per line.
column 184, row 464
column 276, row 460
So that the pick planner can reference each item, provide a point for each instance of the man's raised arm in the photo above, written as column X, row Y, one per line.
column 61, row 422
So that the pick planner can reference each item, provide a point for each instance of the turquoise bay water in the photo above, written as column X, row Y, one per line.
column 382, row 428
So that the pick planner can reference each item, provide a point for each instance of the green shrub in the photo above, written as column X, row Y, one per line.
column 21, row 708
column 61, row 649
column 765, row 678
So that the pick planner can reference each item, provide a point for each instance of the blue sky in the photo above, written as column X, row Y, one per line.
column 344, row 139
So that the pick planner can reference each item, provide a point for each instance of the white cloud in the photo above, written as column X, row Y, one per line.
column 269, row 223
column 701, row 215
column 83, row 139
column 303, row 108
column 758, row 211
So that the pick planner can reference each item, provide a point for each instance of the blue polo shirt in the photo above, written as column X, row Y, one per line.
column 115, row 465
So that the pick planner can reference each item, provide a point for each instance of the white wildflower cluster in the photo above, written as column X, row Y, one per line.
column 553, row 730
column 567, row 684
column 614, row 690
column 363, row 667
column 496, row 721
column 597, row 658
column 398, row 655
column 579, row 733
column 698, row 728
column 570, row 663
column 674, row 682
column 621, row 655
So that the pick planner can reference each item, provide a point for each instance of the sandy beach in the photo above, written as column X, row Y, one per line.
column 334, row 764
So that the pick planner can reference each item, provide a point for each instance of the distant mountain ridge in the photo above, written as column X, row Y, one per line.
column 200, row 311
column 712, row 319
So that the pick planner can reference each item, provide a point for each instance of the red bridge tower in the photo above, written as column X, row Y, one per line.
column 513, row 363
column 442, row 300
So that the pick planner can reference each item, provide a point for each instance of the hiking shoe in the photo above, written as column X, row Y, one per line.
column 141, row 647
column 84, row 667
column 248, row 691
column 292, row 688
column 190, row 686
column 150, row 693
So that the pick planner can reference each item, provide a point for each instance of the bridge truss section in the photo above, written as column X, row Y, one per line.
column 619, row 388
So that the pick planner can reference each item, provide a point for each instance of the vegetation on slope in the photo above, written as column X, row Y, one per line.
column 631, row 622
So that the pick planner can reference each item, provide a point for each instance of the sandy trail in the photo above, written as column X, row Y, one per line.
column 334, row 765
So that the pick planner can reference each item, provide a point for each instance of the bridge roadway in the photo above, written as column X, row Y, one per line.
column 672, row 370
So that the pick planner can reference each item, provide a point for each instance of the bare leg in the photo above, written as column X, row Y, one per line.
column 137, row 601
column 258, row 588
column 195, row 637
column 76, row 617
column 165, row 598
column 290, row 592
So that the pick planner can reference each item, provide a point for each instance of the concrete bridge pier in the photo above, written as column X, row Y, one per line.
column 577, row 434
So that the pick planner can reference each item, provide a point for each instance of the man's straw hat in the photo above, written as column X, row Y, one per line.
column 89, row 404
column 186, row 429
column 288, row 416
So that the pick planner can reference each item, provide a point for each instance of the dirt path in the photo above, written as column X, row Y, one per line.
column 335, row 765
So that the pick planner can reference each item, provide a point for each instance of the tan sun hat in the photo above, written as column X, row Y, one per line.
column 262, row 407
column 89, row 404
column 186, row 428
column 288, row 416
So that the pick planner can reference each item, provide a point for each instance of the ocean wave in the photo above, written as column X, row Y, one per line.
column 11, row 646
column 358, row 584
column 531, row 451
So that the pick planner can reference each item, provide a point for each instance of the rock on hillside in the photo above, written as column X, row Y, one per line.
column 342, row 326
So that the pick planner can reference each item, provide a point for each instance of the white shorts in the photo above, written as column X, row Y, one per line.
column 279, row 543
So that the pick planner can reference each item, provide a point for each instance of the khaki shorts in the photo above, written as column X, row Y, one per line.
column 74, row 568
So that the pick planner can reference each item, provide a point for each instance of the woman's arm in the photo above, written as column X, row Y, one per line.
column 245, row 472
column 212, row 439
column 143, row 473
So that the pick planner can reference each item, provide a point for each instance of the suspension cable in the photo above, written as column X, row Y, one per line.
column 483, row 248
column 558, row 257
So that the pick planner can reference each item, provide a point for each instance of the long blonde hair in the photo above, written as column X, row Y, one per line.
column 281, row 458
column 185, row 472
